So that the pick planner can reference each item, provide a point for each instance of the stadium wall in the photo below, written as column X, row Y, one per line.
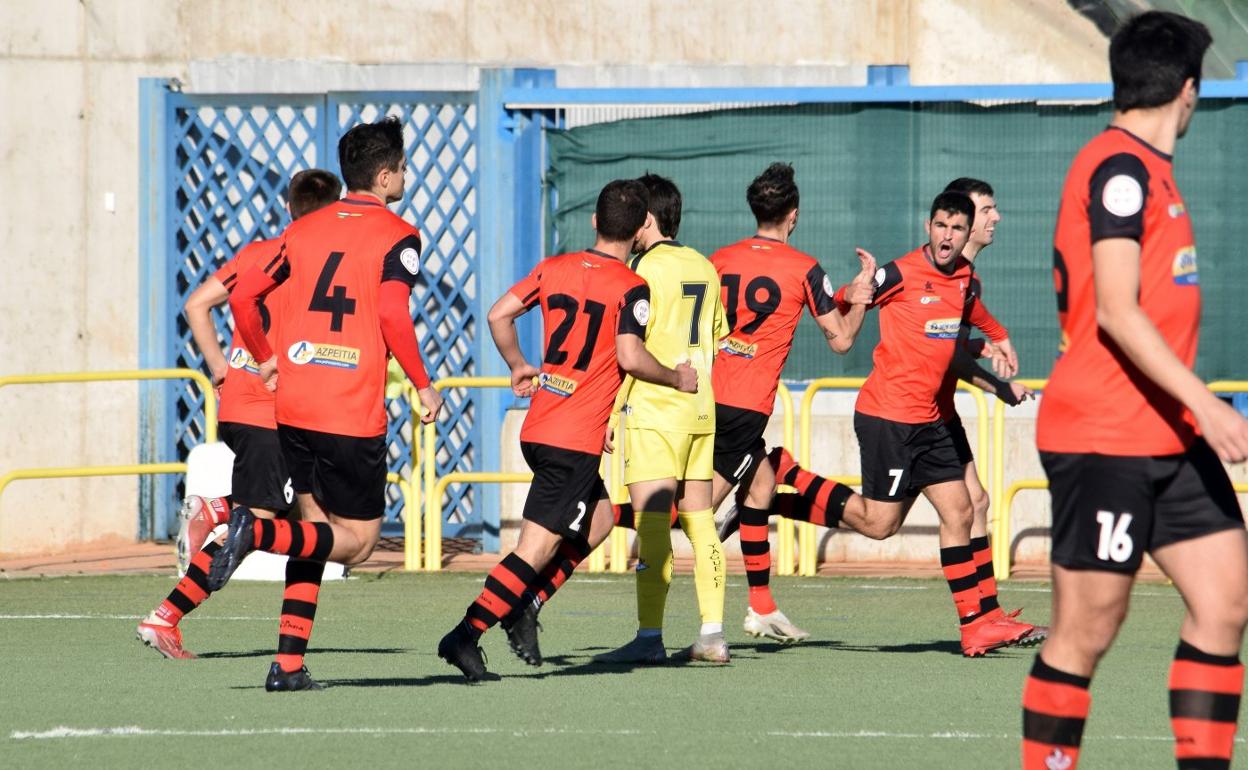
column 70, row 129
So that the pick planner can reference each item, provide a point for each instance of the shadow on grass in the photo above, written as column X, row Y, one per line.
column 269, row 652
column 947, row 646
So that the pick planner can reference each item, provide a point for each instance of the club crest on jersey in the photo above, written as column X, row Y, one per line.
column 411, row 260
column 736, row 347
column 641, row 311
column 942, row 328
column 1177, row 210
column 827, row 287
column 560, row 386
column 929, row 300
column 1184, row 267
column 241, row 359
column 337, row 356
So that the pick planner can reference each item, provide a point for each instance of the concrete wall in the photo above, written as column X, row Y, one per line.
column 69, row 72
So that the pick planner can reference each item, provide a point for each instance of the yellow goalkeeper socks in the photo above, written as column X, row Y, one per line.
column 654, row 566
column 709, row 571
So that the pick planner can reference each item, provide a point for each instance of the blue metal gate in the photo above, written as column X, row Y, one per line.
column 215, row 170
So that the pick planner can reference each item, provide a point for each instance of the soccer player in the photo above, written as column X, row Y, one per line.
column 1129, row 437
column 668, row 439
column 347, row 272
column 905, row 446
column 595, row 311
column 815, row 493
column 766, row 285
column 246, row 424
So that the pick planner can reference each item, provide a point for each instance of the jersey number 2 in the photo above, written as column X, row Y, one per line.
column 332, row 299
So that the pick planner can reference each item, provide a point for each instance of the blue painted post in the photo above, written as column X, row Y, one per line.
column 155, row 439
column 509, row 153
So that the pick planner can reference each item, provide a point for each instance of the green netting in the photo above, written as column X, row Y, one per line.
column 867, row 174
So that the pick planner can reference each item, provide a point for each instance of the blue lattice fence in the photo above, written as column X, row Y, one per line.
column 441, row 198
column 226, row 162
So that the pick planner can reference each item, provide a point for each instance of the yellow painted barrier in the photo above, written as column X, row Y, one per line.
column 433, row 545
column 130, row 375
column 999, row 512
column 137, row 469
column 433, row 502
column 1000, row 527
column 413, row 512
column 1241, row 487
column 808, row 547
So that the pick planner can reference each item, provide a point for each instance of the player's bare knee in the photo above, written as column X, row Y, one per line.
column 979, row 505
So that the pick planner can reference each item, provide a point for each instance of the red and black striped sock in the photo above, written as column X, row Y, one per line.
column 791, row 505
column 1055, row 707
column 981, row 552
column 300, row 539
column 756, row 552
column 626, row 518
column 303, row 585
column 959, row 568
column 503, row 588
column 827, row 498
column 192, row 590
column 570, row 554
column 1204, row 707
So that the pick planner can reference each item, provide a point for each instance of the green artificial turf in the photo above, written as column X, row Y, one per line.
column 879, row 685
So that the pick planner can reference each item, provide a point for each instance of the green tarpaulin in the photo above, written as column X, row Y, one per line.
column 867, row 174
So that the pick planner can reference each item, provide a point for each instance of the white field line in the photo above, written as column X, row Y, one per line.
column 134, row 731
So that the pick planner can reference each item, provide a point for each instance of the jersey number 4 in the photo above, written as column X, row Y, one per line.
column 555, row 354
column 332, row 299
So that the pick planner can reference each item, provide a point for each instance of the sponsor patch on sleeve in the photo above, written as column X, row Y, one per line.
column 1123, row 196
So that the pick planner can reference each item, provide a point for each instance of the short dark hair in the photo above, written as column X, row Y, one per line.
column 954, row 203
column 1152, row 55
column 663, row 200
column 368, row 148
column 621, row 210
column 970, row 186
column 772, row 194
column 310, row 190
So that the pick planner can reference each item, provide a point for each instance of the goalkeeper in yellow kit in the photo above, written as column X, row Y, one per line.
column 669, row 437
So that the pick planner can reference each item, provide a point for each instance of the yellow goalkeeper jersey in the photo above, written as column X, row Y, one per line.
column 686, row 323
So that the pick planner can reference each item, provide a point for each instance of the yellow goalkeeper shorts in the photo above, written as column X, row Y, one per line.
column 652, row 454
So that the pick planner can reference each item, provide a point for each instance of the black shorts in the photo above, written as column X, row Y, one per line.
column 739, row 445
column 900, row 459
column 259, row 478
column 960, row 443
column 345, row 474
column 1108, row 510
column 565, row 490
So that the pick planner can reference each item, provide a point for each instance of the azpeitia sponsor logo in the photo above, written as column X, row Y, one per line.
column 735, row 347
column 942, row 328
column 560, row 386
column 1184, row 267
column 322, row 354
column 241, row 359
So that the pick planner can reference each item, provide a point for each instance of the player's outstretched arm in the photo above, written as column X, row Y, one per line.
column 198, row 308
column 1116, row 274
column 1004, row 358
column 841, row 326
column 967, row 369
column 400, row 338
column 630, row 351
column 502, row 320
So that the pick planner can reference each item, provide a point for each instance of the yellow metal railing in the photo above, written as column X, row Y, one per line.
column 1241, row 487
column 999, row 521
column 808, row 533
column 1003, row 498
column 435, row 487
column 133, row 469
